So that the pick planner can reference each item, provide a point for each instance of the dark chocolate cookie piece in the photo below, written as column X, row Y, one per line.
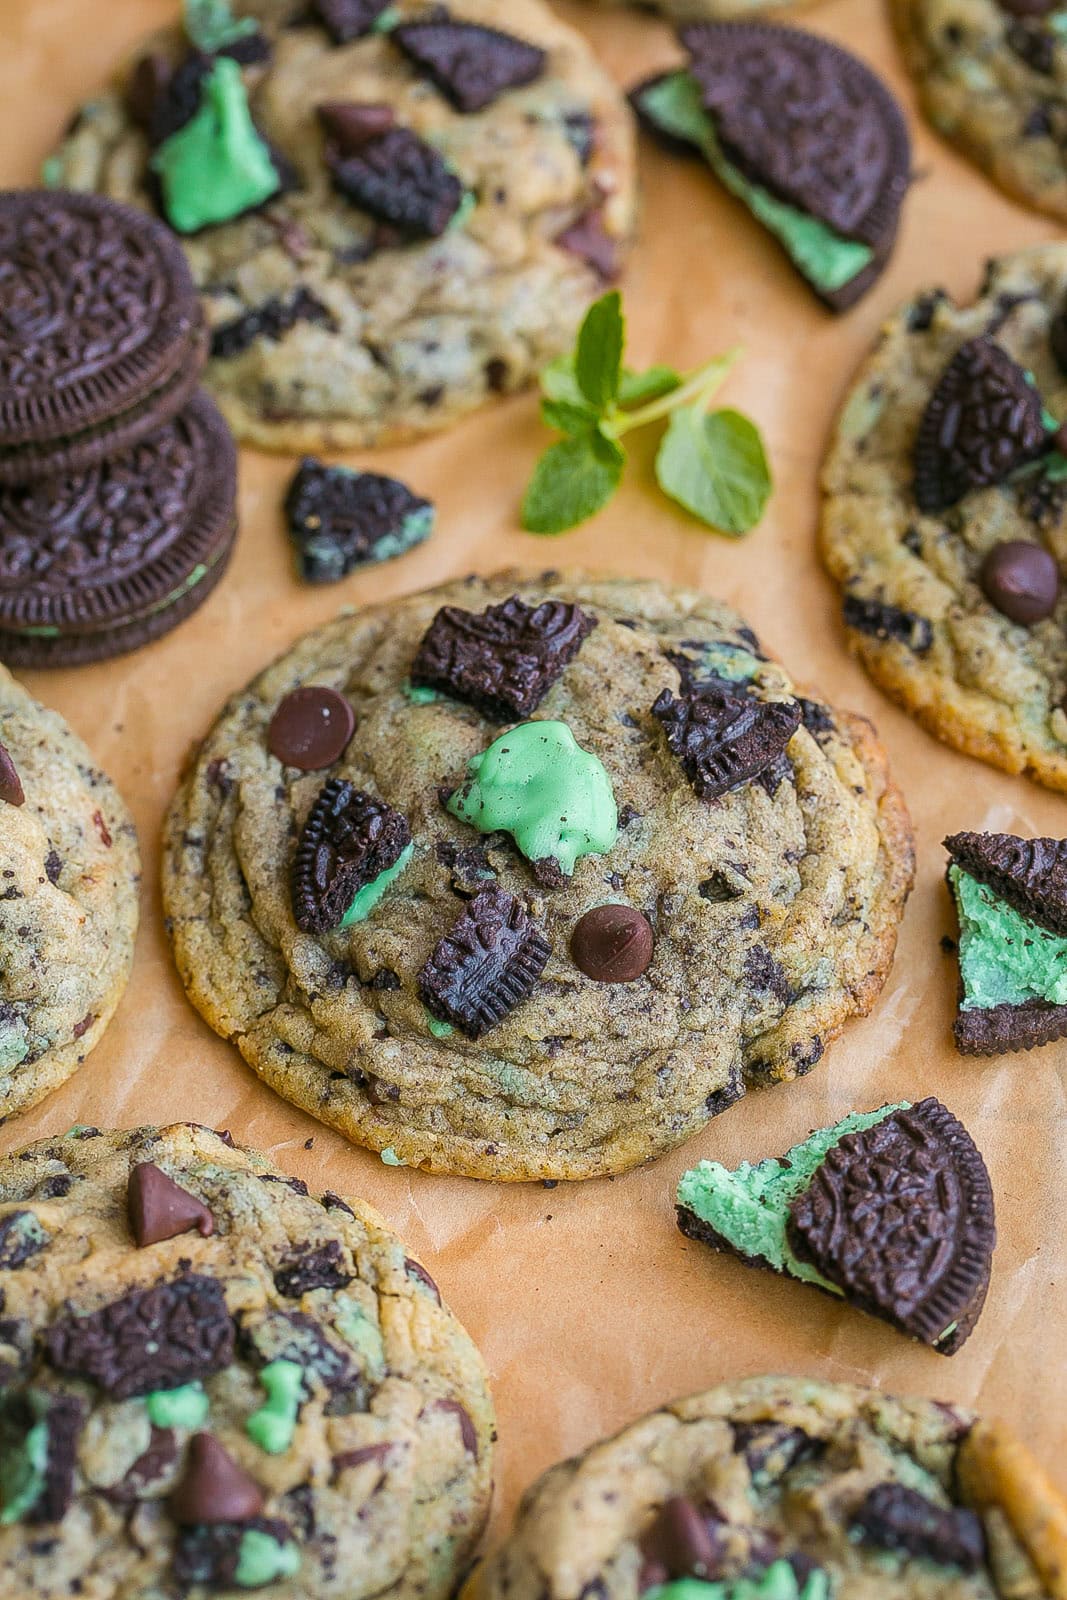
column 348, row 840
column 21, row 1237
column 1030, row 874
column 894, row 1517
column 401, row 180
column 503, row 660
column 1001, row 1030
column 485, row 965
column 309, row 1267
column 882, row 621
column 722, row 736
column 209, row 1553
column 270, row 321
column 340, row 520
column 472, row 65
column 38, row 1446
column 101, row 336
column 900, row 1218
column 345, row 20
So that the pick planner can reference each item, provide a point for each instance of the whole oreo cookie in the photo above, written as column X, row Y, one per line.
column 101, row 336
column 101, row 562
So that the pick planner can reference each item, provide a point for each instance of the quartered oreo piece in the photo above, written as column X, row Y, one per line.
column 348, row 842
column 270, row 321
column 879, row 620
column 1030, row 874
column 485, row 965
column 340, row 520
column 503, row 660
column 39, row 1430
column 983, row 420
column 401, row 180
column 471, row 65
column 723, row 737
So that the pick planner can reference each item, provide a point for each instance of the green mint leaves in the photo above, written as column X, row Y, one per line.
column 712, row 463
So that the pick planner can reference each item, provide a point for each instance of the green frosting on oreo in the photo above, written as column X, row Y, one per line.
column 372, row 892
column 779, row 1582
column 749, row 1207
column 538, row 784
column 184, row 1407
column 357, row 1330
column 261, row 1559
column 217, row 166
column 440, row 1030
column 211, row 24
column 825, row 258
column 23, row 1465
column 273, row 1425
column 14, row 1042
column 1005, row 958
column 418, row 694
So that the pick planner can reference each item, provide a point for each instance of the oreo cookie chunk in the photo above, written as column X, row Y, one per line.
column 1011, row 901
column 101, row 336
column 806, row 137
column 890, row 1210
column 237, row 1386
column 503, row 660
column 102, row 561
column 340, row 520
column 471, row 64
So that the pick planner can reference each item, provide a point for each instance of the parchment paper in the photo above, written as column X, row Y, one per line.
column 588, row 1304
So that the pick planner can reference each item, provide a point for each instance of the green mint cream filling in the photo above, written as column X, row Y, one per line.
column 216, row 167
column 23, row 1464
column 823, row 256
column 749, row 1207
column 1005, row 958
column 779, row 1582
column 261, row 1560
column 372, row 892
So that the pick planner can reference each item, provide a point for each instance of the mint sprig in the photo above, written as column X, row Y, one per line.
column 711, row 462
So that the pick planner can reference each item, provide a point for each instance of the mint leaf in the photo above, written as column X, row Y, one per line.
column 598, row 357
column 637, row 388
column 715, row 466
column 559, row 383
column 568, row 417
column 571, row 482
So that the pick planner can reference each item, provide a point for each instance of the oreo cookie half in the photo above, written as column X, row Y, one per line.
column 805, row 135
column 101, row 337
column 103, row 561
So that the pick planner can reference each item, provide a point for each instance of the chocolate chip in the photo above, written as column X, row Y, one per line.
column 348, row 840
column 503, row 660
column 310, row 1267
column 346, row 20
column 883, row 621
column 340, row 520
column 159, row 1208
column 470, row 64
column 213, row 1488
column 1030, row 874
column 271, row 321
column 348, row 124
column 896, row 1518
column 486, row 965
column 11, row 791
column 682, row 1541
column 1021, row 580
column 723, row 737
column 53, row 866
column 588, row 239
column 612, row 944
column 310, row 728
column 401, row 180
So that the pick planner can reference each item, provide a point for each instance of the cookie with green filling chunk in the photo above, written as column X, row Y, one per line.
column 392, row 216
column 237, row 1385
column 891, row 1210
column 944, row 489
column 775, row 1488
column 803, row 134
column 1011, row 902
column 414, row 933
column 69, row 882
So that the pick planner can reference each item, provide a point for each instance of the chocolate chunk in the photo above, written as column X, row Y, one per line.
column 158, row 1338
column 763, row 972
column 161, row 1209
column 152, row 1465
column 888, row 622
column 416, row 1270
column 900, row 1218
column 997, row 1030
column 613, row 944
column 348, row 840
column 345, row 20
column 467, row 1431
column 724, row 737
column 357, row 1458
column 896, row 1518
column 146, row 87
column 271, row 321
column 982, row 421
column 470, row 64
column 486, row 965
column 1033, row 44
column 310, row 728
column 503, row 660
column 1022, row 580
column 339, row 520
column 401, row 180
column 209, row 1554
column 63, row 1416
column 310, row 1267
column 348, row 124
column 1030, row 874
column 682, row 1540
column 213, row 1488
column 771, row 1448
column 11, row 792
column 176, row 94
column 589, row 240
column 21, row 1236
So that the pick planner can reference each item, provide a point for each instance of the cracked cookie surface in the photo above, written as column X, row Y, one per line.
column 772, row 906
column 69, row 879
column 323, row 1427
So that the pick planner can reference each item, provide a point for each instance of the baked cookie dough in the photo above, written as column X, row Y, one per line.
column 216, row 1382
column 991, row 79
column 69, row 878
column 958, row 610
column 791, row 1489
column 430, row 240
column 394, row 930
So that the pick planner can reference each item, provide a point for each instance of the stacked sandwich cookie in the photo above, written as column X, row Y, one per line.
column 117, row 474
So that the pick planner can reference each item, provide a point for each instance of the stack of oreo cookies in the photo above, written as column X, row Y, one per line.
column 117, row 473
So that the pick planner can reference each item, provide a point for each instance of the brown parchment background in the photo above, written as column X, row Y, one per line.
column 588, row 1304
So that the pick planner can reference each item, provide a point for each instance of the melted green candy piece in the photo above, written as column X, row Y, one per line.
column 1005, row 958
column 184, row 1407
column 538, row 784
column 261, row 1559
column 217, row 166
column 779, row 1582
column 23, row 1466
column 825, row 258
column 273, row 1425
column 372, row 892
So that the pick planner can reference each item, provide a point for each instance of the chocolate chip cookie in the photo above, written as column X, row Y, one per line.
column 990, row 75
column 579, row 866
column 943, row 520
column 69, row 876
column 392, row 213
column 212, row 1380
column 791, row 1489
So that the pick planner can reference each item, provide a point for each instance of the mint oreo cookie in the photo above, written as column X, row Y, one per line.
column 803, row 134
column 891, row 1210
